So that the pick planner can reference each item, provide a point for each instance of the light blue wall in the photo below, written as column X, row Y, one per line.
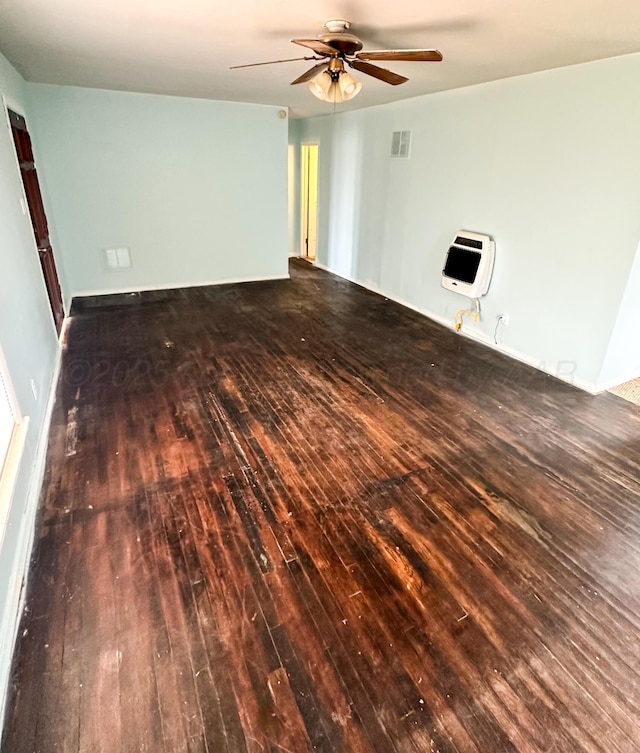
column 294, row 188
column 29, row 342
column 196, row 189
column 548, row 164
column 622, row 362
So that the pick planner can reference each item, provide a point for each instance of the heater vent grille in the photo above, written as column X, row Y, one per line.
column 400, row 144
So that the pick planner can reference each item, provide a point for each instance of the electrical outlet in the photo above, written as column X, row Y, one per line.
column 505, row 319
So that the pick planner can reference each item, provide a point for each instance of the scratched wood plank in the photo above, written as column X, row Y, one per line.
column 294, row 516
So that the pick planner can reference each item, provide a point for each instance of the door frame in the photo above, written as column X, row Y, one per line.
column 9, row 104
column 304, row 200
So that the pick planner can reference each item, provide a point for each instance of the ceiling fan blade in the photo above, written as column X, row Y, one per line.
column 317, row 46
column 271, row 62
column 382, row 73
column 310, row 73
column 433, row 56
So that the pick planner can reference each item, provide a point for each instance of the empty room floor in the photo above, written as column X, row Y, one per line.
column 293, row 516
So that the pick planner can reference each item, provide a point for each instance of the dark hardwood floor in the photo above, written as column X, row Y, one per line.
column 293, row 516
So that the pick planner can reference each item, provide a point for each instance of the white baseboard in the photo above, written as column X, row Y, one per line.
column 20, row 573
column 175, row 286
column 475, row 335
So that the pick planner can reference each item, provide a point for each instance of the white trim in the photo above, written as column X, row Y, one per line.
column 10, row 104
column 176, row 286
column 475, row 335
column 18, row 577
column 62, row 337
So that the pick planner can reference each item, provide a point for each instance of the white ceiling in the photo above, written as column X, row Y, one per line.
column 185, row 47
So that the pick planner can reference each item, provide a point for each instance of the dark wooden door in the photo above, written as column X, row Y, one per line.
column 38, row 217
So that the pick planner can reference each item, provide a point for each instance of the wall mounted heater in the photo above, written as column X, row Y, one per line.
column 469, row 264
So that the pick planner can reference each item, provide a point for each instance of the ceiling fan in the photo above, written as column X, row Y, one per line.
column 329, row 80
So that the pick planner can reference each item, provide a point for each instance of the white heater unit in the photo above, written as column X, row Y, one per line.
column 469, row 264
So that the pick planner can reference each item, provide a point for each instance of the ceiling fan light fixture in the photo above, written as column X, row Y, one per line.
column 334, row 88
column 349, row 86
column 320, row 86
column 328, row 79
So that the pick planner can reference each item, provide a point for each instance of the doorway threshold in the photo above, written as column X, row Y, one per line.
column 629, row 391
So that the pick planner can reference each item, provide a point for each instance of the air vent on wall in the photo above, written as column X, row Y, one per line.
column 400, row 144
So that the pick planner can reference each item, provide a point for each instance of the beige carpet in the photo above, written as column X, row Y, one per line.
column 629, row 391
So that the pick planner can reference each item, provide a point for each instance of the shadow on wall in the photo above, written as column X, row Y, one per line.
column 345, row 204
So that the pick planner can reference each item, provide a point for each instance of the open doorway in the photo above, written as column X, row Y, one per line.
column 31, row 185
column 8, row 420
column 13, row 431
column 309, row 202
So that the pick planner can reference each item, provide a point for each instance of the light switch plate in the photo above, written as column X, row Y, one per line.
column 124, row 258
column 117, row 259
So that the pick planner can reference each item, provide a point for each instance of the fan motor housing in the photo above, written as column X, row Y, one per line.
column 345, row 43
